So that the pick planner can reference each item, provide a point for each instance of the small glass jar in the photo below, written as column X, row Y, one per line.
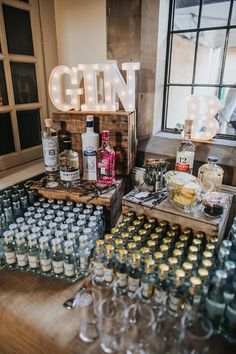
column 214, row 204
column 211, row 175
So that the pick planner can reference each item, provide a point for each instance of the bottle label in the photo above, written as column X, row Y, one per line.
column 102, row 168
column 98, row 269
column 57, row 267
column 133, row 284
column 159, row 296
column 50, row 153
column 46, row 265
column 174, row 303
column 214, row 308
column 69, row 269
column 121, row 279
column 21, row 260
column 10, row 257
column 184, row 161
column 108, row 275
column 89, row 163
column 70, row 176
column 84, row 263
column 147, row 290
column 33, row 261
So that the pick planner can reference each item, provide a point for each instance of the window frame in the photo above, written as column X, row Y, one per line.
column 22, row 156
column 170, row 32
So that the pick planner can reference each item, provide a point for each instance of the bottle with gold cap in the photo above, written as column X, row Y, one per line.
column 178, row 253
column 156, row 237
column 165, row 250
column 108, row 239
column 98, row 263
column 158, row 259
column 121, row 272
column 131, row 231
column 184, row 239
column 175, row 228
column 115, row 232
column 207, row 264
column 164, row 225
column 171, row 235
column 131, row 248
column 109, row 266
column 152, row 222
column 148, row 228
column 173, row 265
column 145, row 253
column 176, row 293
column 160, row 231
column 137, row 225
column 134, row 275
column 122, row 227
column 147, row 281
column 125, row 237
column 144, row 236
column 193, row 258
column 137, row 239
column 129, row 214
column 151, row 244
column 204, row 276
column 188, row 269
column 127, row 221
column 119, row 245
column 161, row 285
column 141, row 218
column 195, row 292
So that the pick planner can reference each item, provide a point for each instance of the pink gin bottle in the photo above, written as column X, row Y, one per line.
column 105, row 161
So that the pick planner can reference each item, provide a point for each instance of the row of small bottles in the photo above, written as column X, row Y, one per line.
column 204, row 280
column 51, row 230
column 60, row 158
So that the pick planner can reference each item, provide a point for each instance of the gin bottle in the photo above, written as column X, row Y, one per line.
column 211, row 175
column 215, row 302
column 9, row 250
column 105, row 161
column 57, row 258
column 229, row 288
column 161, row 285
column 134, row 275
column 176, row 303
column 185, row 151
column 69, row 165
column 90, row 145
column 69, row 262
column 50, row 150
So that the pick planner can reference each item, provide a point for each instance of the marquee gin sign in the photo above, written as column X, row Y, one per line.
column 114, row 85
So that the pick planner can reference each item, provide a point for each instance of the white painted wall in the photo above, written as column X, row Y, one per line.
column 81, row 31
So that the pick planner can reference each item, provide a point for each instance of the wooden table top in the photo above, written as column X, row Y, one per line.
column 33, row 320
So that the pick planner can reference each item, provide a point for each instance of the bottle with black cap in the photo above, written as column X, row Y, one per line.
column 69, row 164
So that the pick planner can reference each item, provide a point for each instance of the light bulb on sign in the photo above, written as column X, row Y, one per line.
column 205, row 126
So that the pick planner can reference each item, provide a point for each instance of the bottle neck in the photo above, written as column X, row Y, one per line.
column 187, row 132
column 105, row 143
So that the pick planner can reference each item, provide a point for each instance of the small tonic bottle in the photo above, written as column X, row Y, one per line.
column 69, row 262
column 21, row 252
column 176, row 294
column 84, row 256
column 185, row 150
column 57, row 258
column 134, row 275
column 50, row 150
column 161, row 285
column 109, row 266
column 45, row 257
column 105, row 161
column 147, row 281
column 9, row 250
column 121, row 272
column 33, row 253
column 98, row 263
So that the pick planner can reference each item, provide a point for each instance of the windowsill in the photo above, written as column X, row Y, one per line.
column 21, row 173
column 165, row 144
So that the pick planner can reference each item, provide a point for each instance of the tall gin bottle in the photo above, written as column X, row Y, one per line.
column 105, row 161
column 185, row 150
column 50, row 150
column 69, row 164
column 90, row 145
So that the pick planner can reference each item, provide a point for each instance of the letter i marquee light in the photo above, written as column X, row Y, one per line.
column 114, row 87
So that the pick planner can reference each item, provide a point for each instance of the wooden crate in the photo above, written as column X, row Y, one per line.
column 122, row 128
column 112, row 201
column 197, row 220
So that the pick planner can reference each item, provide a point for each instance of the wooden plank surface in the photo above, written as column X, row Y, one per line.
column 197, row 220
column 33, row 320
column 74, row 193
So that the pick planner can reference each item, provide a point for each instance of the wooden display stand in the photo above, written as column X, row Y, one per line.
column 197, row 220
column 122, row 130
column 111, row 201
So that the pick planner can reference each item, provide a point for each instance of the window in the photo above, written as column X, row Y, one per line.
column 22, row 83
column 200, row 59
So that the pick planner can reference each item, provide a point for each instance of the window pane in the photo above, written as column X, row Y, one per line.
column 186, row 14
column 29, row 128
column 206, row 91
column 230, row 67
column 209, row 56
column 227, row 115
column 24, row 82
column 177, row 105
column 183, row 46
column 215, row 13
column 3, row 88
column 18, row 30
column 233, row 18
column 6, row 134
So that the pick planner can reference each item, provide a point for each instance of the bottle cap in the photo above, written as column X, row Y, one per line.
column 158, row 255
column 68, row 245
column 32, row 240
column 179, row 273
column 221, row 274
column 212, row 158
column 163, row 268
column 105, row 135
column 227, row 243
column 177, row 252
column 48, row 122
column 230, row 265
column 99, row 243
column 56, row 244
column 203, row 272
column 70, row 236
column 192, row 257
column 43, row 240
column 195, row 281
column 89, row 118
column 172, row 261
column 187, row 266
column 224, row 252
